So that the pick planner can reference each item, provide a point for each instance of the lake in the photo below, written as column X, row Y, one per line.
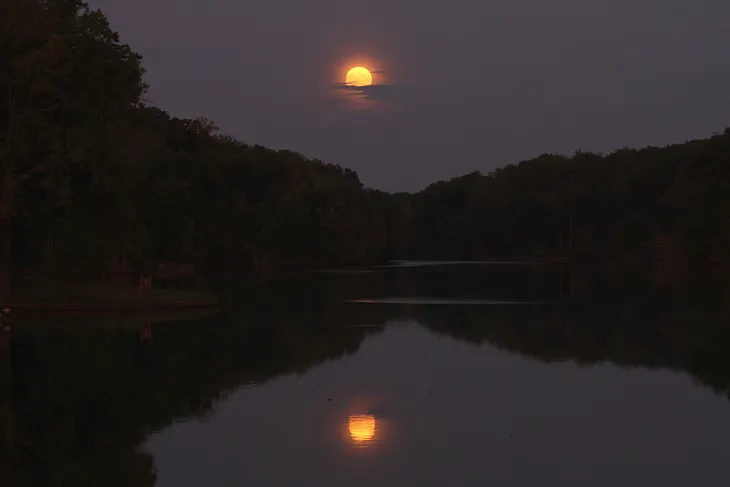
column 414, row 374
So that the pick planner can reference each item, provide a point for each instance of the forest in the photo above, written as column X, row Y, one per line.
column 94, row 180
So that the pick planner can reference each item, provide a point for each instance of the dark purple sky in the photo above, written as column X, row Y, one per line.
column 475, row 84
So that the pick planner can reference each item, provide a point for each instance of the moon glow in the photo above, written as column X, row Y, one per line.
column 358, row 77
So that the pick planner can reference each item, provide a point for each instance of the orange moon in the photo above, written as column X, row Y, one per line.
column 358, row 77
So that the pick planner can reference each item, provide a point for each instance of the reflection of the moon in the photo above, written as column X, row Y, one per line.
column 362, row 427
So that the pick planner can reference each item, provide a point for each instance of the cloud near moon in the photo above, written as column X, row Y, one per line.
column 370, row 92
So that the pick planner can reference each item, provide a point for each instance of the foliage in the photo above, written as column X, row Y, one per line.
column 588, row 206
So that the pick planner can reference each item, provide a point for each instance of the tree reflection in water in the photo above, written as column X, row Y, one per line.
column 79, row 398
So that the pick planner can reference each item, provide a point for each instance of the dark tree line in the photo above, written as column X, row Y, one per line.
column 94, row 179
column 627, row 203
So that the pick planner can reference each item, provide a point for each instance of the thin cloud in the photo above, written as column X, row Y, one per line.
column 374, row 92
column 370, row 92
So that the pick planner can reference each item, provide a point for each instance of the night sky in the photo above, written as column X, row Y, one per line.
column 464, row 85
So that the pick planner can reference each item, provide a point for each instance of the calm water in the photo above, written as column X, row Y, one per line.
column 425, row 375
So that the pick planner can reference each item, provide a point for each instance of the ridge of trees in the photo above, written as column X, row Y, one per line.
column 92, row 178
column 626, row 203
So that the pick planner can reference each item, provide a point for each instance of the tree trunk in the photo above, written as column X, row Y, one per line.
column 5, row 259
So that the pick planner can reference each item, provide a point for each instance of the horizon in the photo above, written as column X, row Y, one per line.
column 313, row 157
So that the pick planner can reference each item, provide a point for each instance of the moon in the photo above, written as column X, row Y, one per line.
column 358, row 77
column 362, row 426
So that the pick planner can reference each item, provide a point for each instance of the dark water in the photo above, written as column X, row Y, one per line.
column 425, row 375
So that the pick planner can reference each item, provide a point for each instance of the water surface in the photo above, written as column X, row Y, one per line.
column 443, row 411
column 381, row 379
